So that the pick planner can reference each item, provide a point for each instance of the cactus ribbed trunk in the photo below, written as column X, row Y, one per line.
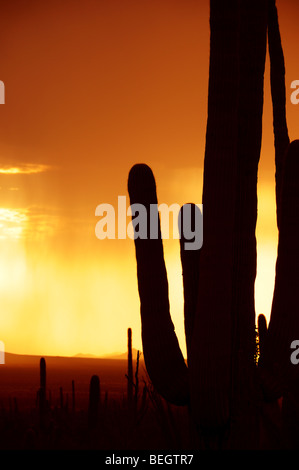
column 253, row 41
column 210, row 361
column 224, row 329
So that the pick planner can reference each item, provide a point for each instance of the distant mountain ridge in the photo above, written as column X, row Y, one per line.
column 16, row 358
column 86, row 355
column 124, row 355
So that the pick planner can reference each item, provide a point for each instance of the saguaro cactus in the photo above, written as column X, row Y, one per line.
column 42, row 375
column 220, row 382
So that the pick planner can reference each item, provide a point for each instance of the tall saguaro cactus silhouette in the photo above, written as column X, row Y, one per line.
column 221, row 384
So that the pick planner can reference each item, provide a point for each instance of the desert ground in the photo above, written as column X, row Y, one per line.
column 19, row 378
column 148, row 423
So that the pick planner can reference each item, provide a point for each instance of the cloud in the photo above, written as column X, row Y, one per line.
column 30, row 223
column 40, row 223
column 25, row 169
column 12, row 223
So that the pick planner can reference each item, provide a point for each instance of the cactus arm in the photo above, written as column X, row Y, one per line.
column 278, row 92
column 273, row 380
column 163, row 358
column 271, row 377
column 284, row 321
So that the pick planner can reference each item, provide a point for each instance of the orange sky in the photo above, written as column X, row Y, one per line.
column 93, row 87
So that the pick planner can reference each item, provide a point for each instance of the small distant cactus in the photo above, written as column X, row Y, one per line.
column 94, row 401
column 73, row 397
column 130, row 382
column 136, row 406
column 42, row 391
column 136, row 385
column 43, row 376
column 61, row 397
column 132, row 386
